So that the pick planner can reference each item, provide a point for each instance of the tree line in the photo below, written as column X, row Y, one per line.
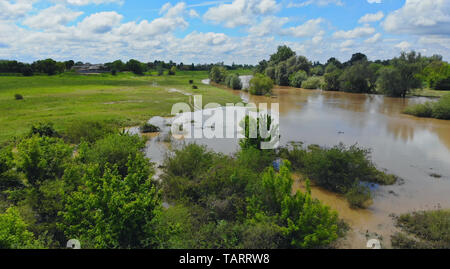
column 395, row 77
column 52, row 67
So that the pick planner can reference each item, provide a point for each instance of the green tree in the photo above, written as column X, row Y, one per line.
column 390, row 82
column 14, row 233
column 296, row 79
column 135, row 66
column 260, row 85
column 218, row 74
column 282, row 74
column 42, row 158
column 283, row 53
column 111, row 211
column 408, row 67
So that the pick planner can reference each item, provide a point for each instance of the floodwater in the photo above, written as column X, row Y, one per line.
column 412, row 148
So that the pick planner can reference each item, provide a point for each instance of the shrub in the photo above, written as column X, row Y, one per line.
column 113, row 150
column 218, row 74
column 149, row 128
column 296, row 79
column 87, row 130
column 234, row 82
column 420, row 110
column 42, row 158
column 43, row 129
column 359, row 196
column 429, row 229
column 312, row 83
column 194, row 87
column 331, row 80
column 14, row 233
column 260, row 85
column 172, row 71
column 438, row 110
column 443, row 84
column 18, row 96
column 441, row 109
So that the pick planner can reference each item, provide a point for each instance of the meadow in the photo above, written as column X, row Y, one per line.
column 122, row 100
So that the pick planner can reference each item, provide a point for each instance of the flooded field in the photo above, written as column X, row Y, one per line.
column 415, row 149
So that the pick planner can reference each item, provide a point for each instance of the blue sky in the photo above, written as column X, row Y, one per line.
column 204, row 31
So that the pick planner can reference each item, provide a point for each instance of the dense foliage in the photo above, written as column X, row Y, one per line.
column 439, row 109
column 231, row 203
column 260, row 85
column 396, row 77
column 339, row 169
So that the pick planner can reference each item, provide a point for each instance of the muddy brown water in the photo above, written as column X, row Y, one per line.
column 409, row 147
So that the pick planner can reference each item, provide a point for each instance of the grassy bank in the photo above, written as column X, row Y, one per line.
column 122, row 100
column 438, row 110
column 423, row 230
column 427, row 92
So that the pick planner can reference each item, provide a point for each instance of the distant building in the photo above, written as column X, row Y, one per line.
column 90, row 68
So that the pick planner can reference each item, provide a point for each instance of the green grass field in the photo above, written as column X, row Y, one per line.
column 124, row 100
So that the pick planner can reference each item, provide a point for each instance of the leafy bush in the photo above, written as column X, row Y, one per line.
column 441, row 109
column 218, row 74
column 42, row 158
column 111, row 210
column 438, row 110
column 172, row 71
column 149, row 128
column 43, row 129
column 260, row 85
column 359, row 196
column 339, row 169
column 312, row 83
column 331, row 80
column 114, row 149
column 87, row 130
column 296, row 79
column 14, row 233
column 234, row 82
column 443, row 84
column 420, row 110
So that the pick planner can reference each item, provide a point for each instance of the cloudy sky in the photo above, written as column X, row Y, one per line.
column 204, row 31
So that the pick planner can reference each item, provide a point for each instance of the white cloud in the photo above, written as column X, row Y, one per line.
column 374, row 39
column 52, row 17
column 100, row 23
column 371, row 17
column 268, row 25
column 193, row 13
column 316, row 2
column 404, row 45
column 420, row 17
column 309, row 28
column 374, row 1
column 11, row 10
column 355, row 33
column 240, row 12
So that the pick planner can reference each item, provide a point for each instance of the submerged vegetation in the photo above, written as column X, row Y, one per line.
column 423, row 230
column 102, row 193
column 340, row 169
column 439, row 109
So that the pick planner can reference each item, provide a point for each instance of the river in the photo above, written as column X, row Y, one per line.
column 412, row 148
